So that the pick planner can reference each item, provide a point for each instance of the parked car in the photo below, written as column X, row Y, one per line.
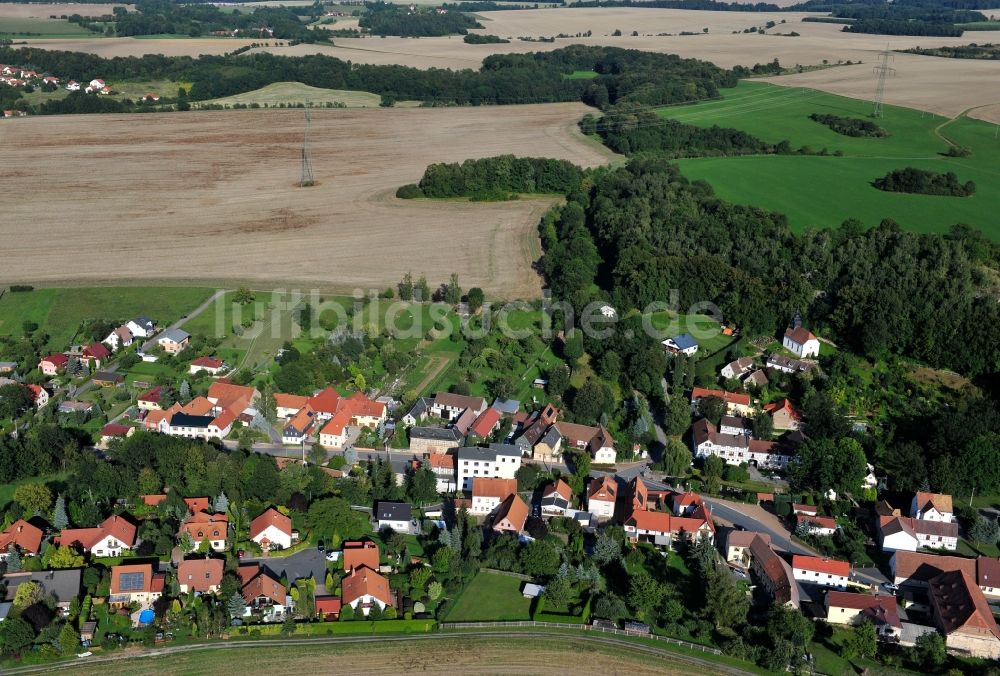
column 333, row 556
column 890, row 587
column 320, row 546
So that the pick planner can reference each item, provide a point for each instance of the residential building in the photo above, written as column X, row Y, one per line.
column 663, row 529
column 418, row 412
column 602, row 495
column 549, row 446
column 816, row 525
column 173, row 341
column 261, row 589
column 848, row 608
column 141, row 327
column 298, row 427
column 328, row 607
column 364, row 589
column 119, row 338
column 39, row 395
column 443, row 467
column 737, row 369
column 108, row 379
column 397, row 516
column 511, row 515
column 914, row 570
column 449, row 406
column 738, row 546
column 736, row 425
column 272, row 530
column 113, row 431
column 682, row 344
column 51, row 365
column 75, row 407
column 486, row 423
column 595, row 440
column 62, row 585
column 784, row 416
column 534, row 426
column 112, row 537
column 287, row 405
column 800, row 342
column 756, row 379
column 488, row 493
column 202, row 576
column 685, row 504
column 904, row 533
column 95, row 354
column 737, row 449
column 808, row 510
column 773, row 573
column 26, row 537
column 788, row 365
column 557, row 498
column 204, row 526
column 356, row 410
column 210, row 365
column 150, row 399
column 736, row 403
column 135, row 583
column 988, row 576
column 358, row 554
column 431, row 440
column 821, row 571
column 962, row 614
column 932, row 507
column 499, row 461
column 7, row 366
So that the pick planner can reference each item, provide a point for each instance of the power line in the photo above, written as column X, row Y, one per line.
column 308, row 178
column 883, row 71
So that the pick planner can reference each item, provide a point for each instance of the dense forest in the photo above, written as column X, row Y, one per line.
column 477, row 39
column 496, row 178
column 903, row 27
column 388, row 19
column 629, row 128
column 645, row 77
column 154, row 17
column 642, row 230
column 988, row 52
column 850, row 126
column 922, row 182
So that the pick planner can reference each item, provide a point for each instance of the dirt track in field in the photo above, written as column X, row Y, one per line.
column 214, row 196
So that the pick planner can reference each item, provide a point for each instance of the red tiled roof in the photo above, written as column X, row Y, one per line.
column 328, row 605
column 559, row 486
column 486, row 487
column 364, row 581
column 114, row 430
column 484, row 424
column 202, row 526
column 200, row 574
column 960, row 605
column 514, row 511
column 728, row 397
column 783, row 405
column 270, row 517
column 197, row 504
column 603, row 489
column 258, row 582
column 799, row 335
column 57, row 360
column 821, row 565
column 296, row 401
column 325, row 401
column 146, row 569
column 939, row 501
column 153, row 500
column 819, row 521
column 152, row 395
column 21, row 533
column 879, row 609
column 364, row 553
column 208, row 362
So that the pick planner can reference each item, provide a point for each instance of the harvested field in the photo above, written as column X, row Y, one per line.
column 296, row 92
column 112, row 47
column 213, row 196
column 45, row 11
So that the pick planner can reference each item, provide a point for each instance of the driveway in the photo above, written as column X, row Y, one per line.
column 755, row 518
column 307, row 563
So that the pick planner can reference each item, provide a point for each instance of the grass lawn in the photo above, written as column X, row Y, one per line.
column 7, row 490
column 823, row 191
column 491, row 597
column 703, row 328
column 61, row 311
column 295, row 93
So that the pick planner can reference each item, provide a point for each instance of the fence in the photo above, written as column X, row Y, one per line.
column 519, row 576
column 581, row 627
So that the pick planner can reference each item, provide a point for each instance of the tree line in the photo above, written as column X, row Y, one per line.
column 850, row 126
column 388, row 19
column 496, row 178
column 988, row 52
column 923, row 182
column 903, row 27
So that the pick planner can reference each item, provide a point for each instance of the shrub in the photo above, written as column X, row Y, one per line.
column 409, row 191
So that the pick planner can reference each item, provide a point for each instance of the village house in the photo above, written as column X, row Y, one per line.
column 26, row 537
column 51, row 365
column 799, row 341
column 7, row 366
column 664, row 530
column 848, row 608
column 808, row 510
column 511, row 516
column 397, row 516
column 328, row 607
column 557, row 498
column 39, row 395
column 75, row 407
column 417, row 412
column 914, row 570
column 816, row 525
column 262, row 590
column 95, row 354
column 602, row 495
column 595, row 440
column 201, row 576
column 173, row 341
column 499, row 461
column 736, row 403
column 150, row 399
column 204, row 526
column 549, row 446
column 488, row 493
column 788, row 365
column 357, row 554
column 738, row 546
column 533, row 427
column 108, row 379
column 62, row 586
column 821, row 571
column 287, row 405
column 737, row 369
column 73, row 86
column 113, row 431
column 773, row 573
column 784, row 416
column 112, row 537
column 904, row 533
column 932, row 507
column 434, row 440
column 486, row 423
column 737, row 449
column 210, row 365
column 141, row 327
column 273, row 530
column 136, row 583
column 443, row 467
column 449, row 406
column 119, row 338
column 364, row 589
column 683, row 344
column 962, row 614
column 356, row 410
column 756, row 379
column 297, row 429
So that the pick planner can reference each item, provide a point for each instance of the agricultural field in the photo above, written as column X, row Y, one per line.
column 237, row 213
column 61, row 311
column 44, row 11
column 17, row 27
column 823, row 191
column 285, row 93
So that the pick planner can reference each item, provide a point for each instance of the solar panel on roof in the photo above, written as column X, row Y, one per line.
column 132, row 581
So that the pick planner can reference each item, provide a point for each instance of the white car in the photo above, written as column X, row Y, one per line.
column 333, row 556
column 86, row 654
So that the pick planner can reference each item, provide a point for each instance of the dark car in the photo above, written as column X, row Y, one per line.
column 320, row 546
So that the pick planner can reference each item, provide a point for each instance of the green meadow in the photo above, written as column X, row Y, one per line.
column 817, row 191
column 20, row 27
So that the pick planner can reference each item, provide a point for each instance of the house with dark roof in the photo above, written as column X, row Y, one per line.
column 173, row 341
column 962, row 614
column 499, row 461
column 397, row 516
column 681, row 344
column 62, row 585
column 773, row 573
column 427, row 440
